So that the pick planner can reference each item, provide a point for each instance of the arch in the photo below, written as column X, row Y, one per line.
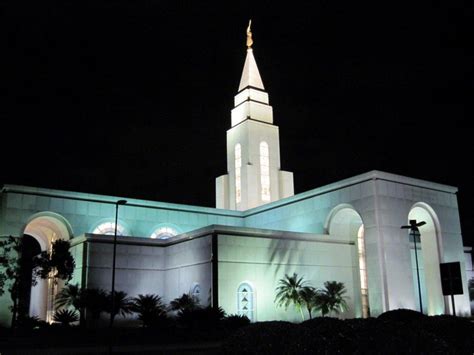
column 107, row 227
column 195, row 291
column 45, row 228
column 344, row 221
column 428, row 260
column 41, row 222
column 246, row 300
column 167, row 230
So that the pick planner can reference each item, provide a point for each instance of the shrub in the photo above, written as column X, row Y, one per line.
column 457, row 332
column 338, row 336
column 235, row 321
column 150, row 309
column 272, row 338
column 65, row 317
column 375, row 335
column 401, row 315
column 27, row 322
column 202, row 317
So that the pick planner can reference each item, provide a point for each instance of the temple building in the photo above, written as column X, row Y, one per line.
column 233, row 255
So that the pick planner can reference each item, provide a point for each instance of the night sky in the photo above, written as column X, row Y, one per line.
column 133, row 98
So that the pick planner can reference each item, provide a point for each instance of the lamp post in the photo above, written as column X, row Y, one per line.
column 112, row 295
column 415, row 233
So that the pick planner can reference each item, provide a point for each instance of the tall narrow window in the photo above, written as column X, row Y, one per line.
column 265, row 171
column 238, row 177
column 364, row 288
column 245, row 301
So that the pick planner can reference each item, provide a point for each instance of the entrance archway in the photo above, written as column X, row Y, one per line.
column 45, row 228
column 428, row 260
column 344, row 221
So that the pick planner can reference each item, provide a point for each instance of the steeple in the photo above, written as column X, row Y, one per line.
column 250, row 74
column 251, row 101
column 254, row 176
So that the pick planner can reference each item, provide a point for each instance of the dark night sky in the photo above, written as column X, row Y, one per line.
column 133, row 98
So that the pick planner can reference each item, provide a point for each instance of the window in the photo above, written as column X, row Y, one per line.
column 164, row 233
column 196, row 291
column 265, row 171
column 245, row 301
column 238, row 177
column 108, row 228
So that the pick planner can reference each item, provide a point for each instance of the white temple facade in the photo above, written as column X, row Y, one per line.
column 234, row 255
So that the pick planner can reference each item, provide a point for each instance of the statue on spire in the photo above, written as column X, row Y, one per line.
column 249, row 35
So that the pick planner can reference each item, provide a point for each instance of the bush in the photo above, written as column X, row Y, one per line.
column 401, row 315
column 65, row 317
column 235, row 321
column 272, row 338
column 457, row 332
column 378, row 336
column 201, row 317
column 338, row 336
column 28, row 323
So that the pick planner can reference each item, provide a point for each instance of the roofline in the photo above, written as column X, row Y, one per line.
column 210, row 230
column 107, row 199
column 369, row 176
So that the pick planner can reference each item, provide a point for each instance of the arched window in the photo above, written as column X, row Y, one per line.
column 245, row 301
column 196, row 291
column 164, row 233
column 265, row 171
column 108, row 228
column 238, row 177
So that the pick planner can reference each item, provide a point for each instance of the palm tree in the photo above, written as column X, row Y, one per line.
column 65, row 317
column 292, row 289
column 184, row 303
column 332, row 298
column 309, row 297
column 149, row 308
column 122, row 304
column 72, row 296
column 95, row 302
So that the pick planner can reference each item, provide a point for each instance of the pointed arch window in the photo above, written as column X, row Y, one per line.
column 265, row 171
column 108, row 228
column 238, row 177
column 245, row 301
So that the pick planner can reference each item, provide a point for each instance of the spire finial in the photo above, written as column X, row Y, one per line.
column 249, row 35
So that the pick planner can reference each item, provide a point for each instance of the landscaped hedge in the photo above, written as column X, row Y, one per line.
column 395, row 332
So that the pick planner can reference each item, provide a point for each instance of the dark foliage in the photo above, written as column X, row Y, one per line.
column 122, row 303
column 337, row 335
column 401, row 315
column 29, row 323
column 273, row 338
column 457, row 332
column 59, row 261
column 201, row 317
column 185, row 302
column 65, row 317
column 150, row 310
column 235, row 321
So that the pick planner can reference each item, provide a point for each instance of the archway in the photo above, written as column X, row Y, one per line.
column 344, row 221
column 45, row 228
column 428, row 260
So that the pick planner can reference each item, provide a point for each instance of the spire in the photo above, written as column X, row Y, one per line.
column 250, row 74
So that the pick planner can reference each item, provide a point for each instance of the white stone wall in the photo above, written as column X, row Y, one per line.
column 263, row 261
